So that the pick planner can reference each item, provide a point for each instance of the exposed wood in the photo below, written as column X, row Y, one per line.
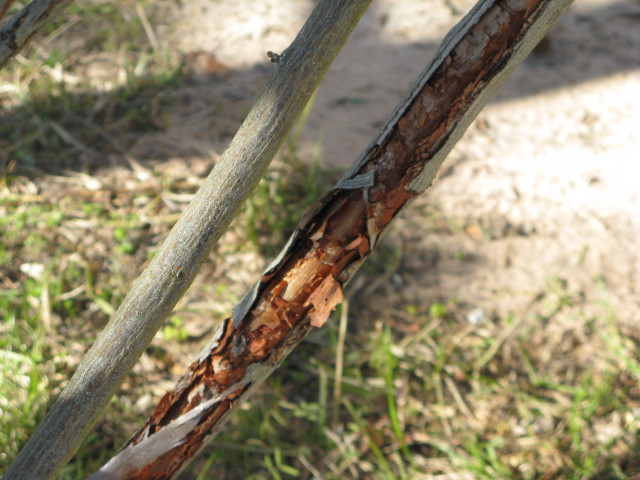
column 21, row 27
column 297, row 73
column 298, row 291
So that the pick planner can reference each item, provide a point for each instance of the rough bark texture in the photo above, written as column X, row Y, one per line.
column 25, row 23
column 301, row 287
column 298, row 70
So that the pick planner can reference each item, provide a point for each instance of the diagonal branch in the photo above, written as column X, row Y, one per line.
column 298, row 72
column 302, row 286
column 21, row 27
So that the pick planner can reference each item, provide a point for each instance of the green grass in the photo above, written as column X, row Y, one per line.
column 488, row 400
column 45, row 324
column 82, row 115
column 400, row 389
column 288, row 188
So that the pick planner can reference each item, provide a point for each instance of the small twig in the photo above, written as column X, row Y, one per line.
column 307, row 464
column 275, row 58
column 148, row 29
column 337, row 383
column 457, row 396
column 68, row 137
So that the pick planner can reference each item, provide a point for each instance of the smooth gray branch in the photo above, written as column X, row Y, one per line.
column 296, row 76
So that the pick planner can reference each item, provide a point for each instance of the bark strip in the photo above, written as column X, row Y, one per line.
column 297, row 73
column 302, row 286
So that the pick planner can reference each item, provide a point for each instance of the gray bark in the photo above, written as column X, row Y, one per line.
column 298, row 71
column 17, row 31
column 302, row 286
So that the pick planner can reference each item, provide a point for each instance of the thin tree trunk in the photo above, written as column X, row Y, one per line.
column 17, row 31
column 298, row 71
column 301, row 287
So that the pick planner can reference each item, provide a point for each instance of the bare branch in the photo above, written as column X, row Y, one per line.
column 302, row 286
column 25, row 23
column 297, row 73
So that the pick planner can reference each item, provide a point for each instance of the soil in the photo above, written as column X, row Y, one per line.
column 543, row 183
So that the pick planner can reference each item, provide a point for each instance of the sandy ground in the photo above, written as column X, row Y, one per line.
column 544, row 182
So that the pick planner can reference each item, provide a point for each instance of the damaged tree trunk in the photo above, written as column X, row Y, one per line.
column 297, row 73
column 301, row 287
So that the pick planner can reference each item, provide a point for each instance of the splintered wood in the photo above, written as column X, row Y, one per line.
column 302, row 287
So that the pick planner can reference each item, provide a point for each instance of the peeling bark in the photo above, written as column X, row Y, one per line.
column 302, row 286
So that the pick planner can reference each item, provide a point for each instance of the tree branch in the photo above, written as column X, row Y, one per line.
column 25, row 23
column 301, row 287
column 298, row 71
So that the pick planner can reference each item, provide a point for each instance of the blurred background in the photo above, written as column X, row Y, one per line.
column 493, row 334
